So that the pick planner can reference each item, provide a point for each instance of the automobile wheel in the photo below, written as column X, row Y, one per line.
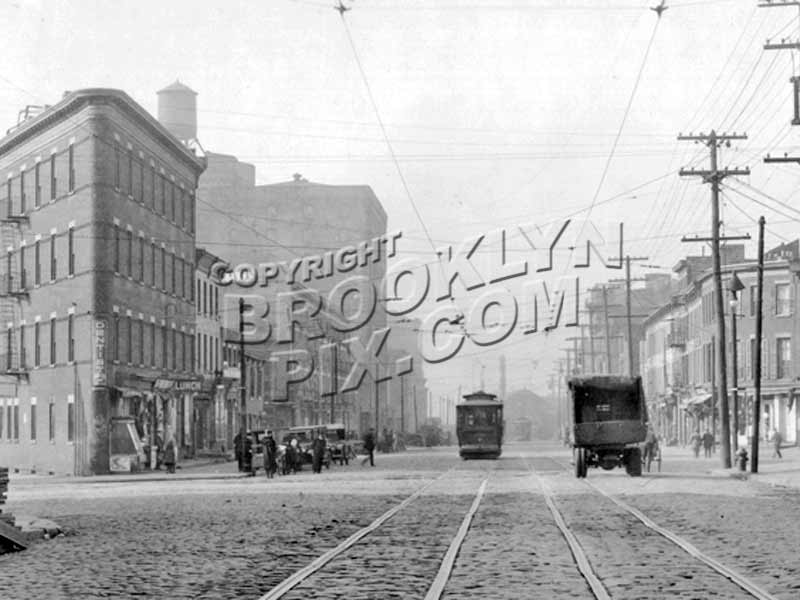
column 633, row 464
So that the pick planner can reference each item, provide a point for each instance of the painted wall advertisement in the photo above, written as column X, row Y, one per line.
column 100, row 333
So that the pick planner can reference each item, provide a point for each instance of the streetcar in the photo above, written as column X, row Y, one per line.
column 479, row 426
column 609, row 422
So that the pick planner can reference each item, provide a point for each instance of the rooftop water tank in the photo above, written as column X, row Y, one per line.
column 177, row 111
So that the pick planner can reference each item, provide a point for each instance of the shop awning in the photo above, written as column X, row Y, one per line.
column 698, row 400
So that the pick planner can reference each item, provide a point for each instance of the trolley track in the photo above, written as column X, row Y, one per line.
column 375, row 546
column 745, row 585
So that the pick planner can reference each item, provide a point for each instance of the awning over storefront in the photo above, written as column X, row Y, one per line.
column 697, row 400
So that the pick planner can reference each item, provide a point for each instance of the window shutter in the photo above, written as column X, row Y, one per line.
column 772, row 371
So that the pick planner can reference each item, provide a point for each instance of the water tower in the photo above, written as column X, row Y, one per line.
column 177, row 111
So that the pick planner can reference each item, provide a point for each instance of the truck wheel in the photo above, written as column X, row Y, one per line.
column 580, row 463
column 633, row 462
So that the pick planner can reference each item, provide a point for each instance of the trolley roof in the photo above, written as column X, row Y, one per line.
column 480, row 398
column 611, row 382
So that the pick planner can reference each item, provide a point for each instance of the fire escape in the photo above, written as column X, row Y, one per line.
column 13, row 287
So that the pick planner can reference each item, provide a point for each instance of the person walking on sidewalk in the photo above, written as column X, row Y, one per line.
column 708, row 443
column 169, row 456
column 697, row 441
column 369, row 446
column 318, row 451
column 777, row 440
column 270, row 455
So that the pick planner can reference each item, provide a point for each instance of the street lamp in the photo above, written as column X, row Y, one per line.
column 735, row 286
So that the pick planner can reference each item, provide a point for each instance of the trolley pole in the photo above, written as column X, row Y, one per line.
column 757, row 358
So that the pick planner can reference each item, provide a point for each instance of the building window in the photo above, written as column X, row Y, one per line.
column 53, row 257
column 71, row 338
column 153, row 344
column 174, row 287
column 198, row 307
column 22, row 192
column 163, row 204
column 783, row 357
column 33, row 419
column 51, row 420
column 141, row 259
column 182, row 207
column 191, row 212
column 153, row 187
column 117, row 167
column 153, row 264
column 52, row 341
column 22, row 357
column 163, row 269
column 172, row 201
column 16, row 419
column 9, row 270
column 71, row 155
column 140, row 327
column 37, row 267
column 783, row 299
column 117, row 337
column 37, row 346
column 37, row 187
column 70, row 418
column 129, row 331
column 71, row 251
column 204, row 297
column 130, row 172
column 130, row 253
column 9, row 198
column 9, row 349
column 173, row 359
column 216, row 302
column 164, row 347
column 117, row 249
column 2, row 417
column 141, row 181
column 53, row 178
column 9, row 419
column 23, row 274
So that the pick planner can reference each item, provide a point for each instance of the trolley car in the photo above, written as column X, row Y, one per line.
column 479, row 426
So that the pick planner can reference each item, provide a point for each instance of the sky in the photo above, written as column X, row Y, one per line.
column 464, row 116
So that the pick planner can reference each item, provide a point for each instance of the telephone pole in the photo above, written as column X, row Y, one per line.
column 785, row 44
column 628, row 315
column 714, row 175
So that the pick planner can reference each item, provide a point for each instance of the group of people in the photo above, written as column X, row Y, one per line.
column 293, row 454
column 706, row 441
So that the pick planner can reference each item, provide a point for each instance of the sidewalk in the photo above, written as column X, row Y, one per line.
column 186, row 470
column 784, row 472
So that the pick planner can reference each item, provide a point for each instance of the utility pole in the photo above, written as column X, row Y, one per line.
column 628, row 314
column 714, row 176
column 608, row 332
column 416, row 414
column 402, row 405
column 243, row 387
column 787, row 45
column 757, row 357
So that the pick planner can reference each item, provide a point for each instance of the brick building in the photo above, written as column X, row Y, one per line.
column 680, row 347
column 98, row 226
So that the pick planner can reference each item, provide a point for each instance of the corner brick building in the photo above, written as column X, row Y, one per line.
column 96, row 287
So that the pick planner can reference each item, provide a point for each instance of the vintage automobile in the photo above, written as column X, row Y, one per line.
column 609, row 422
column 305, row 436
column 339, row 448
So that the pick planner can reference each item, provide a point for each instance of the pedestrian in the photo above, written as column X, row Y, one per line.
column 296, row 455
column 318, row 452
column 237, row 449
column 708, row 443
column 369, row 446
column 169, row 456
column 650, row 446
column 777, row 440
column 697, row 441
column 270, row 455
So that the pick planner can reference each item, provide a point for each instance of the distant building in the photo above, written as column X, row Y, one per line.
column 251, row 223
column 97, row 223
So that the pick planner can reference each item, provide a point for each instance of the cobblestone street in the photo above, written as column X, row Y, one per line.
column 231, row 537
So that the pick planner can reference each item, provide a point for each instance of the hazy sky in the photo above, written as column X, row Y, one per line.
column 499, row 111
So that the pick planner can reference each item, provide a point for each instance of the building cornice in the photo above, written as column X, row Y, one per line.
column 75, row 101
